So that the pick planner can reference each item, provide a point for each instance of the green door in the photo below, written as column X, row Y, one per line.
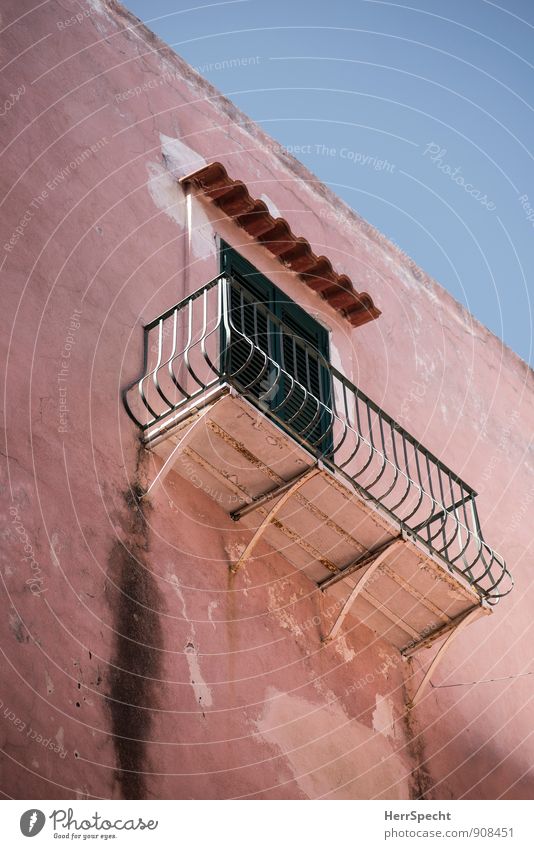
column 279, row 333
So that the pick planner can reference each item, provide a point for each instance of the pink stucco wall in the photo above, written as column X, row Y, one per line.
column 132, row 664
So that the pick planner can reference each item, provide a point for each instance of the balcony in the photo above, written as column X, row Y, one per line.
column 302, row 458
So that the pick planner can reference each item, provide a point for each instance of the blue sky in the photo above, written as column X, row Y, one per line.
column 420, row 116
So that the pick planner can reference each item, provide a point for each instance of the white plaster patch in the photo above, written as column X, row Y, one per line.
column 278, row 606
column 181, row 159
column 271, row 206
column 344, row 650
column 169, row 196
column 166, row 193
column 324, row 691
column 213, row 605
column 383, row 716
column 418, row 320
column 234, row 551
column 425, row 366
column 200, row 688
column 55, row 548
column 328, row 754
column 202, row 241
column 175, row 584
column 49, row 684
column 60, row 737
column 99, row 8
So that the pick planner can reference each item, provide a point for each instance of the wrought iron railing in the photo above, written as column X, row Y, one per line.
column 221, row 335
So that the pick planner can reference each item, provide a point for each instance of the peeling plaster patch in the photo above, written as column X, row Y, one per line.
column 234, row 551
column 328, row 754
column 180, row 158
column 169, row 197
column 60, row 737
column 15, row 623
column 425, row 367
column 390, row 661
column 175, row 583
column 99, row 8
column 166, row 193
column 383, row 716
column 416, row 327
column 202, row 241
column 278, row 606
column 55, row 548
column 343, row 649
column 49, row 684
column 213, row 605
column 200, row 688
column 328, row 695
column 271, row 206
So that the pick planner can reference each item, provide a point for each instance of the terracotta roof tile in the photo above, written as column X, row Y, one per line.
column 235, row 200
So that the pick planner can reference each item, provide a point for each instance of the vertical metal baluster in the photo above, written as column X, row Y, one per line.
column 299, row 388
column 419, row 478
column 371, row 435
column 383, row 439
column 406, row 469
column 358, row 419
column 242, row 312
column 308, row 386
column 316, row 417
column 285, row 374
column 468, row 569
column 431, row 488
column 458, row 534
column 367, row 442
column 445, row 516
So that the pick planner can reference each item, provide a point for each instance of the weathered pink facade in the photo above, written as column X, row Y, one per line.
column 134, row 665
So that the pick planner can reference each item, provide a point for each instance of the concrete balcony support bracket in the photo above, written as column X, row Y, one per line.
column 171, row 459
column 368, row 567
column 460, row 623
column 283, row 493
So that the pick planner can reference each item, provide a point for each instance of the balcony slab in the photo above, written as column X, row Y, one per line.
column 237, row 455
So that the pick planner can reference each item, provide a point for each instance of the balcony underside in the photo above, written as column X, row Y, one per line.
column 405, row 594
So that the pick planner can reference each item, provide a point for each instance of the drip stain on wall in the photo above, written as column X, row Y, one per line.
column 136, row 661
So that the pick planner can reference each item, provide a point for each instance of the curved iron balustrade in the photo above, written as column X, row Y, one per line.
column 220, row 335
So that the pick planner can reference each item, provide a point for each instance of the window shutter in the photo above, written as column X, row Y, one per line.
column 254, row 303
column 250, row 300
column 303, row 340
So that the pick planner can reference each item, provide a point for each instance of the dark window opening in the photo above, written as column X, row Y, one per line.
column 285, row 369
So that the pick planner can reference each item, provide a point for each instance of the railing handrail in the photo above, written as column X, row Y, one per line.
column 342, row 379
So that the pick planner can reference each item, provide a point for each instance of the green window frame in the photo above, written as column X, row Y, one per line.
column 293, row 348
